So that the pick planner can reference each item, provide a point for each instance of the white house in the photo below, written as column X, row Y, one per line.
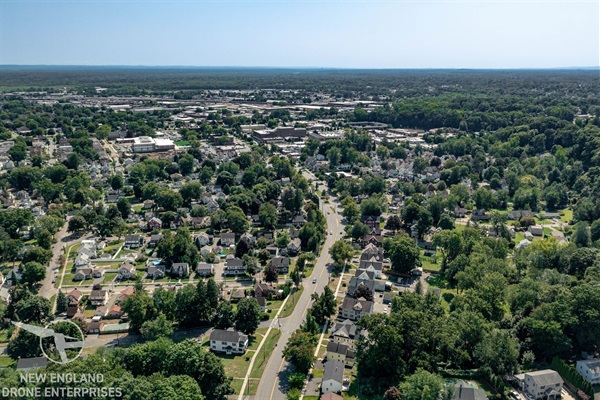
column 543, row 384
column 333, row 377
column 590, row 370
column 228, row 341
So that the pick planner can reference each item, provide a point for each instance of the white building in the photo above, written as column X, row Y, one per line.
column 143, row 144
column 544, row 384
column 228, row 341
column 590, row 370
column 333, row 377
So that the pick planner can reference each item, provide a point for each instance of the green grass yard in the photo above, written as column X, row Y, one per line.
column 264, row 354
column 291, row 303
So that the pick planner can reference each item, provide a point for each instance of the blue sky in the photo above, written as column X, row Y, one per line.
column 302, row 33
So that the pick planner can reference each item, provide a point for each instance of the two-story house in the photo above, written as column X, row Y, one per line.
column 590, row 370
column 353, row 309
column 228, row 341
column 544, row 384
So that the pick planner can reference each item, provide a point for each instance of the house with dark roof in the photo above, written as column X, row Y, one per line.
column 156, row 271
column 98, row 297
column 227, row 239
column 344, row 332
column 282, row 264
column 74, row 297
column 480, row 215
column 154, row 223
column 353, row 309
column 294, row 246
column 340, row 352
column 83, row 274
column 464, row 391
column 154, row 239
column 262, row 303
column 333, row 377
column 181, row 270
column 518, row 214
column 234, row 266
column 133, row 241
column 263, row 290
column 228, row 341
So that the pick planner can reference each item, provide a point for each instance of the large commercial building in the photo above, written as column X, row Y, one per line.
column 146, row 144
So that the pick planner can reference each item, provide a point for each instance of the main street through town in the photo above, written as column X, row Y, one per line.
column 272, row 383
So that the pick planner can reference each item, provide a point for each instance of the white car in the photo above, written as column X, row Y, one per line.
column 385, row 309
column 314, row 280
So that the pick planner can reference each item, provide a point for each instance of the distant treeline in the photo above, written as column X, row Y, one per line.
column 389, row 84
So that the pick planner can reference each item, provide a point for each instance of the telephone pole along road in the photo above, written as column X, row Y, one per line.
column 269, row 386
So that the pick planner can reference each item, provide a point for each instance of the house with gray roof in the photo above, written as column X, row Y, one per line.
column 282, row 264
column 543, row 384
column 228, row 341
column 234, row 266
column 333, row 377
column 344, row 332
column 464, row 391
column 589, row 370
column 353, row 309
column 181, row 270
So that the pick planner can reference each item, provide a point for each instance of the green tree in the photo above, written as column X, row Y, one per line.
column 498, row 351
column 299, row 351
column 422, row 385
column 33, row 272
column 37, row 254
column 247, row 316
column 116, row 182
column 359, row 230
column 581, row 234
column 77, row 223
column 186, row 164
column 225, row 317
column 44, row 238
column 61, row 302
column 237, row 220
column 140, row 308
column 351, row 211
column 169, row 200
column 33, row 309
column 124, row 207
column 341, row 252
column 405, row 255
column 267, row 215
column 24, row 345
column 156, row 328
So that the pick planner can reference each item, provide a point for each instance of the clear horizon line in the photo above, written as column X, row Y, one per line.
column 293, row 67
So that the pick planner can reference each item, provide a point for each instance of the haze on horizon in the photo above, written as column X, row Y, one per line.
column 296, row 33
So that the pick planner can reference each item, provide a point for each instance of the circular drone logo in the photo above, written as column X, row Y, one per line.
column 61, row 341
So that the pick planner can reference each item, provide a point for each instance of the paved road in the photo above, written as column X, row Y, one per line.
column 271, row 386
column 48, row 290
